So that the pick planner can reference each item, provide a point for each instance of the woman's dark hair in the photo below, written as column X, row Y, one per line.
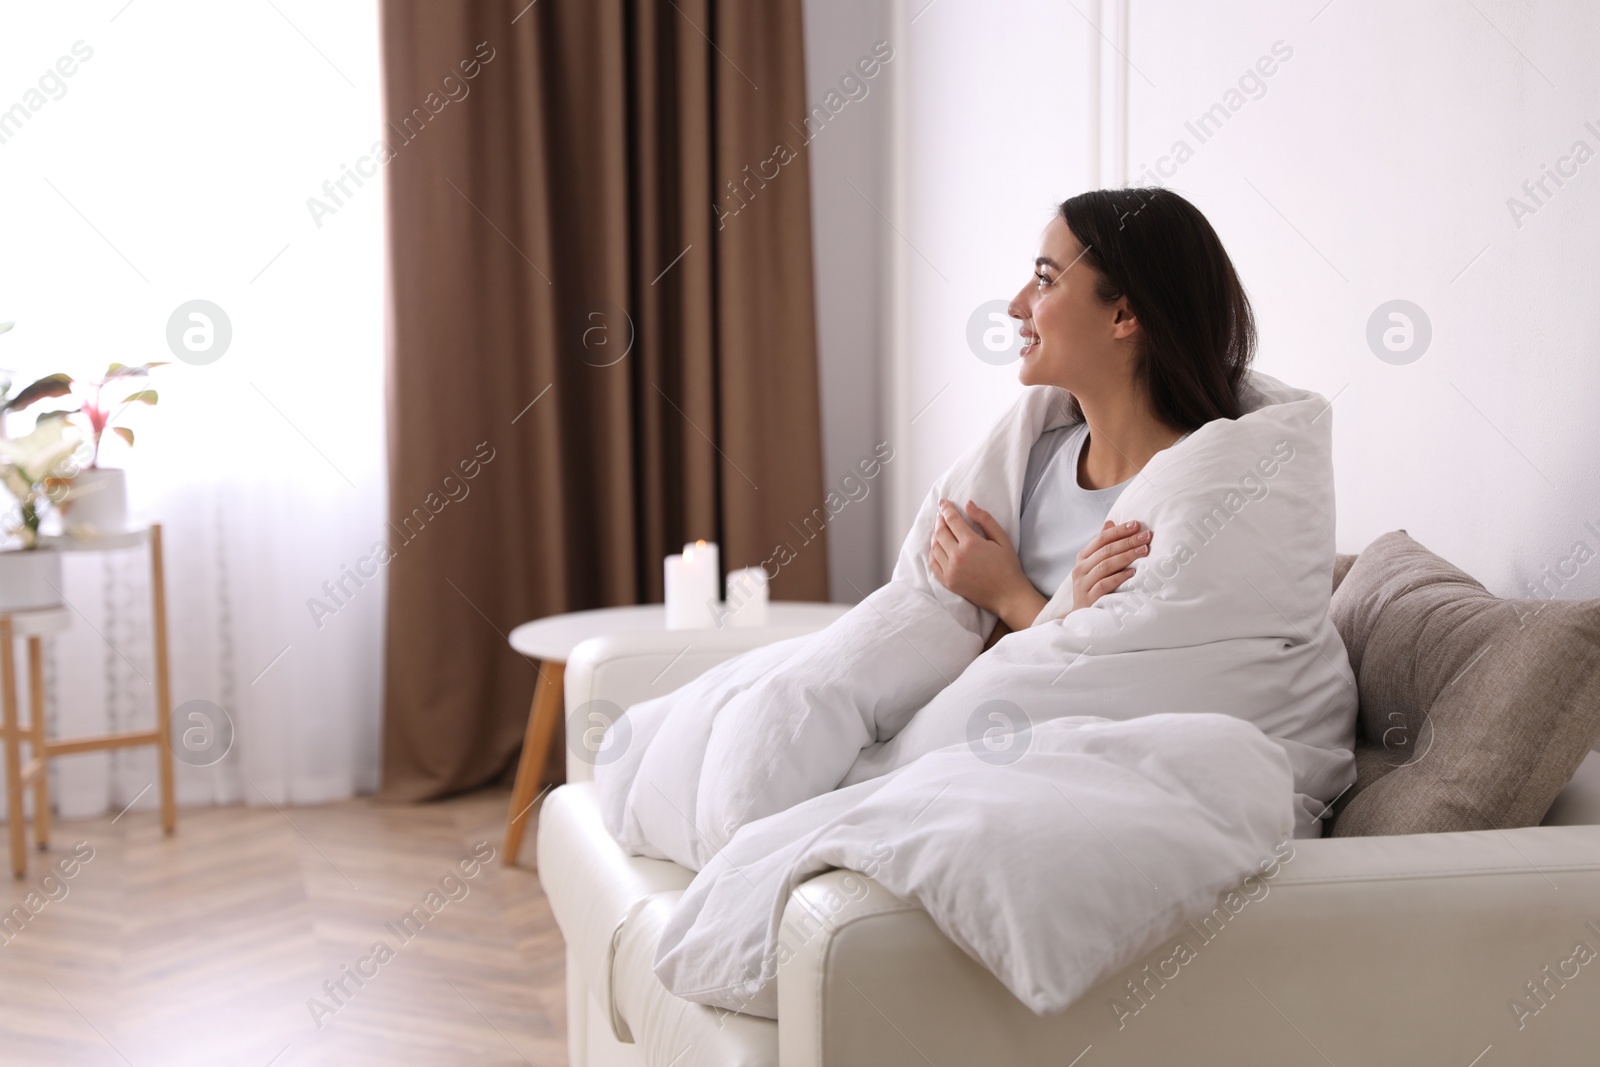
column 1155, row 248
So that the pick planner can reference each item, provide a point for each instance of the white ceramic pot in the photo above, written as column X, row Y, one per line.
column 30, row 578
column 96, row 502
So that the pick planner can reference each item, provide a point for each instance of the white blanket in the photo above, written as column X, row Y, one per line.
column 1054, row 871
column 1228, row 615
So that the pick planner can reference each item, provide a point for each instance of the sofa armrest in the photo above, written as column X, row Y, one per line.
column 625, row 669
column 1377, row 950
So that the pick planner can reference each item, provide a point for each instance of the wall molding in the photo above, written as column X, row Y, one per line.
column 903, row 497
column 1108, row 94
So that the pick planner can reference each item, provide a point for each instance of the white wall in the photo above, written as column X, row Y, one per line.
column 1375, row 165
column 849, row 186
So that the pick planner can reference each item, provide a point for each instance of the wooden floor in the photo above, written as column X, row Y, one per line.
column 205, row 948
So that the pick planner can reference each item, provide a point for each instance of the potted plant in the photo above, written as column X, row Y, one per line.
column 30, row 468
column 93, row 500
column 30, row 578
column 96, row 498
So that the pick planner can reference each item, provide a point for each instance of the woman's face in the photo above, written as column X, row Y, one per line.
column 1071, row 339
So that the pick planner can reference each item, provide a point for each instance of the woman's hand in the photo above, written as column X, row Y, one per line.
column 1107, row 561
column 976, row 560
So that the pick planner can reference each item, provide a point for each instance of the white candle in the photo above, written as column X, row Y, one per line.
column 747, row 598
column 692, row 580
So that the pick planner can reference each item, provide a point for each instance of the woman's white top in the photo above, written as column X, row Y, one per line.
column 1059, row 516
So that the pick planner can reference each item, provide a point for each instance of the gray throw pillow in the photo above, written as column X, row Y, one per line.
column 1475, row 711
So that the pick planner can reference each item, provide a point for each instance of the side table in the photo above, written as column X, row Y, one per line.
column 550, row 640
column 33, row 625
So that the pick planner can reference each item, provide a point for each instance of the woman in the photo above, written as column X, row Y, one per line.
column 888, row 744
column 1136, row 310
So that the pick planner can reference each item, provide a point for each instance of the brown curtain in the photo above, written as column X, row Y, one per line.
column 599, row 208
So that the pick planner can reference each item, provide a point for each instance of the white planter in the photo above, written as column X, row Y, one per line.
column 29, row 579
column 96, row 503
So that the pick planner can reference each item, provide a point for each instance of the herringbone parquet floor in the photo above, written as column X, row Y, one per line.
column 253, row 936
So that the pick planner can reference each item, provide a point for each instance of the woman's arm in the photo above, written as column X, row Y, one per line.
column 976, row 560
column 972, row 556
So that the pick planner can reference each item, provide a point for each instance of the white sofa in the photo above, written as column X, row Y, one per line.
column 1365, row 951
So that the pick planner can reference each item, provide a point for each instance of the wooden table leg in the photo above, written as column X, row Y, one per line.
column 41, row 776
column 158, row 611
column 13, row 739
column 542, row 719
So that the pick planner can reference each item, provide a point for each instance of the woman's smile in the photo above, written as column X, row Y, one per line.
column 1030, row 342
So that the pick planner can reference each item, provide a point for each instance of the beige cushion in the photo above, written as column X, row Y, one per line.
column 1341, row 567
column 1475, row 711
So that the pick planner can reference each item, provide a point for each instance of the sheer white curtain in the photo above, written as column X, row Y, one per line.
column 173, row 163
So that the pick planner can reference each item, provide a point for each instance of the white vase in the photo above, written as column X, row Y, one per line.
column 96, row 503
column 30, row 578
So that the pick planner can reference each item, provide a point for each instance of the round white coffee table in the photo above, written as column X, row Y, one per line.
column 550, row 640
